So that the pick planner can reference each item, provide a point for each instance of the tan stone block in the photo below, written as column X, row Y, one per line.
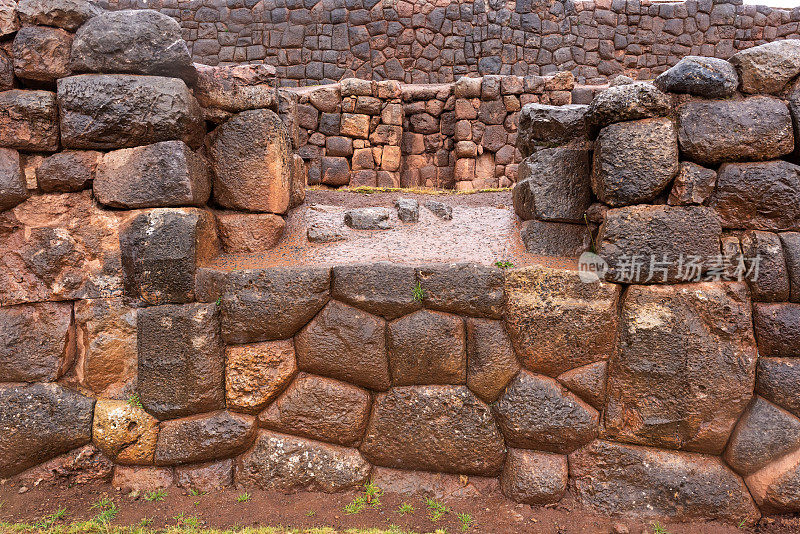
column 354, row 125
column 124, row 432
column 257, row 373
column 391, row 158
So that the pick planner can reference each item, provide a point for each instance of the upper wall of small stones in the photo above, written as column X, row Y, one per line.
column 438, row 41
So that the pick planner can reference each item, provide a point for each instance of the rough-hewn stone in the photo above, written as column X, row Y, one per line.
column 545, row 238
column 775, row 487
column 41, row 54
column 534, row 478
column 693, row 184
column 771, row 282
column 702, row 76
column 207, row 477
column 368, row 218
column 588, row 382
column 768, row 67
column 29, row 120
column 791, row 251
column 778, row 380
column 141, row 478
column 629, row 102
column 124, row 432
column 491, row 363
column 554, row 185
column 13, row 188
column 68, row 171
column 242, row 233
column 777, row 329
column 205, row 437
column 381, row 288
column 67, row 14
column 84, row 465
column 255, row 374
column 237, row 87
column 9, row 20
column 546, row 125
column 463, row 288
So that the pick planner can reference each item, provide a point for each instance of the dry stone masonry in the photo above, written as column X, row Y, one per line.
column 663, row 382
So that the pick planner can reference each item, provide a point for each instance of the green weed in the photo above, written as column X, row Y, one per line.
column 418, row 293
column 157, row 495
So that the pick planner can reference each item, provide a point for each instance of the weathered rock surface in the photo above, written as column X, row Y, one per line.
column 252, row 152
column 141, row 479
column 777, row 329
column 236, row 88
column 132, row 42
column 775, row 487
column 320, row 408
column 368, row 218
column 629, row 102
column 242, row 233
column 544, row 238
column 407, row 209
column 701, row 76
column 208, row 477
column 181, row 360
column 9, row 21
column 13, row 188
column 84, row 465
column 268, row 304
column 40, row 421
column 761, row 196
column 791, row 251
column 427, row 347
column 41, row 54
column 658, row 234
column 588, row 382
column 434, row 428
column 768, row 67
column 714, row 131
column 124, row 432
column 383, row 289
column 440, row 209
column 68, row 171
column 345, row 343
column 37, row 341
column 554, row 185
column 463, row 288
column 165, row 174
column 255, row 374
column 286, row 463
column 491, row 363
column 205, row 437
column 67, row 14
column 161, row 249
column 693, row 184
column 686, row 366
column 771, row 282
column 434, row 485
column 6, row 63
column 778, row 381
column 557, row 322
column 29, row 120
column 106, row 112
column 649, row 483
column 534, row 478
column 545, row 125
column 536, row 412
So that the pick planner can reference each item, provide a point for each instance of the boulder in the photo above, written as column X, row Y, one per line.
column 557, row 322
column 205, row 477
column 463, row 288
column 106, row 346
column 382, row 288
column 629, row 102
column 67, row 14
column 707, row 77
column 41, row 54
column 106, row 112
column 9, row 20
column 181, row 360
column 201, row 438
column 778, row 381
column 554, row 185
column 427, row 347
column 534, row 478
column 335, row 171
column 245, row 233
column 491, row 363
column 407, row 209
column 645, row 483
column 544, row 238
column 368, row 218
column 693, row 184
column 68, row 171
column 345, row 343
column 775, row 487
column 658, row 244
column 29, row 120
column 757, row 128
column 764, row 433
column 13, row 189
column 767, row 68
column 686, row 366
column 255, row 374
column 634, row 161
column 133, row 42
column 770, row 282
column 320, row 408
column 761, row 196
column 269, row 304
column 777, row 329
column 289, row 464
column 161, row 249
column 588, row 383
column 542, row 125
column 252, row 152
column 434, row 428
column 124, row 432
column 236, row 88
column 37, row 341
column 440, row 209
column 40, row 421
column 536, row 412
column 791, row 250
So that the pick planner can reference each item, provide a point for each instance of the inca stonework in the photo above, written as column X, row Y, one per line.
column 662, row 384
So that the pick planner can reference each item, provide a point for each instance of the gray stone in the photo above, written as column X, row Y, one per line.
column 778, row 381
column 545, row 125
column 639, row 100
column 67, row 14
column 440, row 209
column 68, row 171
column 491, row 362
column 201, row 438
column 791, row 250
column 771, row 282
column 463, row 288
column 535, row 478
column 41, row 54
column 693, row 184
column 368, row 218
column 767, row 68
column 13, row 188
column 554, row 185
column 545, row 238
column 702, row 76
column 382, row 288
column 29, row 120
column 407, row 209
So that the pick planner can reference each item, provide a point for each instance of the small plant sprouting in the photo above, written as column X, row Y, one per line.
column 373, row 494
column 134, row 400
column 658, row 529
column 311, row 513
column 418, row 293
column 436, row 510
column 194, row 492
column 187, row 522
column 591, row 237
column 157, row 495
column 51, row 519
column 219, row 301
column 244, row 497
column 405, row 508
column 356, row 505
column 108, row 510
column 465, row 520
column 503, row 264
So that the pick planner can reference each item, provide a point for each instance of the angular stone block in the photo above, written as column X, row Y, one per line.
column 205, row 437
column 629, row 102
column 463, row 288
column 768, row 67
column 545, row 125
column 778, row 381
column 702, row 76
column 9, row 20
column 41, row 54
column 384, row 289
column 588, row 382
column 242, row 233
column 68, row 171
column 124, row 432
column 13, row 189
column 208, row 477
column 693, row 184
column 534, row 478
column 255, row 374
column 554, row 185
column 777, row 329
column 491, row 363
column 67, row 14
column 29, row 120
column 236, row 88
column 544, row 238
column 770, row 283
column 791, row 251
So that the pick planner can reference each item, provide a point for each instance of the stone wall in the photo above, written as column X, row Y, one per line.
column 438, row 41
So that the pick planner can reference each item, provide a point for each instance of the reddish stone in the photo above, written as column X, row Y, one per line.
column 41, row 54
column 433, row 485
column 588, row 382
column 775, row 487
column 29, row 120
column 207, row 477
column 124, row 432
column 463, row 288
column 205, row 437
column 777, row 329
column 249, row 232
column 534, row 478
column 255, row 374
column 491, row 363
column 141, row 478
column 384, row 289
column 85, row 465
column 778, row 380
column 67, row 171
column 771, row 282
column 236, row 88
column 13, row 189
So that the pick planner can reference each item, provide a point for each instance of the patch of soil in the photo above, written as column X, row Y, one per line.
column 220, row 509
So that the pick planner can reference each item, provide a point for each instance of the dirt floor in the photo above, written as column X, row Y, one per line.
column 233, row 509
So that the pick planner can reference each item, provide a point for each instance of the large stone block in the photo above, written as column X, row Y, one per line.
column 714, row 131
column 82, row 466
column 320, row 408
column 775, row 487
column 534, row 478
column 37, row 341
column 777, row 329
column 287, row 463
column 554, row 185
column 68, row 171
column 384, row 289
column 536, row 412
column 252, row 152
column 255, row 374
column 761, row 196
column 463, row 288
column 653, row 484
column 791, row 250
column 181, row 360
column 105, row 112
column 629, row 102
column 9, row 20
column 40, row 421
column 41, row 54
column 693, row 184
column 770, row 282
column 29, row 120
column 545, row 238
column 702, row 76
column 207, row 477
column 165, row 174
column 205, row 437
column 132, row 42
column 345, row 343
column 13, row 188
column 427, row 347
column 658, row 244
column 243, row 233
column 161, row 249
column 124, row 432
column 67, row 14
column 434, row 428
column 557, row 322
column 491, row 363
column 236, row 88
column 269, row 304
column 767, row 68
column 686, row 366
column 778, row 381
column 545, row 125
